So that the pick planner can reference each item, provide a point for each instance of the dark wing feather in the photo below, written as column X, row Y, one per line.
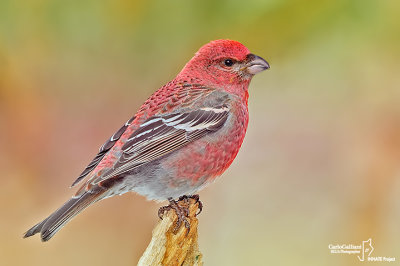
column 103, row 151
column 163, row 134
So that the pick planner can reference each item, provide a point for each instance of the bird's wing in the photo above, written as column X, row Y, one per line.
column 163, row 134
column 103, row 151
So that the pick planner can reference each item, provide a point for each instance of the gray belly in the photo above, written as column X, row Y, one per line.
column 156, row 183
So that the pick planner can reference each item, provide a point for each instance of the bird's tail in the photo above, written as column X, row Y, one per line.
column 49, row 226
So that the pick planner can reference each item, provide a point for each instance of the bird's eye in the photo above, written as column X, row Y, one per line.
column 228, row 62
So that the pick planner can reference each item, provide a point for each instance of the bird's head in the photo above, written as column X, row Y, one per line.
column 224, row 63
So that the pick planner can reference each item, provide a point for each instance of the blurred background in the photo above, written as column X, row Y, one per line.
column 320, row 163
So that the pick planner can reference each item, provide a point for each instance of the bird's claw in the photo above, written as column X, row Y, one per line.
column 182, row 211
column 162, row 210
column 196, row 197
column 199, row 203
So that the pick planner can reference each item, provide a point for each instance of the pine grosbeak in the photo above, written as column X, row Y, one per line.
column 183, row 137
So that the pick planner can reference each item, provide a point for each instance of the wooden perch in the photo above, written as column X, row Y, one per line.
column 167, row 248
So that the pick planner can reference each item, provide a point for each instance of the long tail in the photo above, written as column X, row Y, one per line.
column 49, row 226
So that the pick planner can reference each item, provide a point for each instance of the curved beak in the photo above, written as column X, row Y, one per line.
column 255, row 64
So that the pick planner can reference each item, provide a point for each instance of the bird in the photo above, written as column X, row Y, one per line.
column 184, row 136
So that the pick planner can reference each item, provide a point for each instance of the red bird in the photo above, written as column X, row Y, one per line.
column 183, row 137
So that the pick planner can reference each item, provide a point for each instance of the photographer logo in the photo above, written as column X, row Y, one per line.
column 363, row 251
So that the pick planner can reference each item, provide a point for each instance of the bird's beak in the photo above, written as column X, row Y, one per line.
column 255, row 64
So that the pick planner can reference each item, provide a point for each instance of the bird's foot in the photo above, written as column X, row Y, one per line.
column 196, row 199
column 181, row 210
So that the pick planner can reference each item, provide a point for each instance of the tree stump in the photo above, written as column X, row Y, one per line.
column 169, row 248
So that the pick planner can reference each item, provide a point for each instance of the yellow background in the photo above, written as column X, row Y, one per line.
column 320, row 163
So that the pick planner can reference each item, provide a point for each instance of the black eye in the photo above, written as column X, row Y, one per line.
column 228, row 62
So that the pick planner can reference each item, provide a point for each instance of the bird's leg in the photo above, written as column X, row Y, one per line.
column 182, row 211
